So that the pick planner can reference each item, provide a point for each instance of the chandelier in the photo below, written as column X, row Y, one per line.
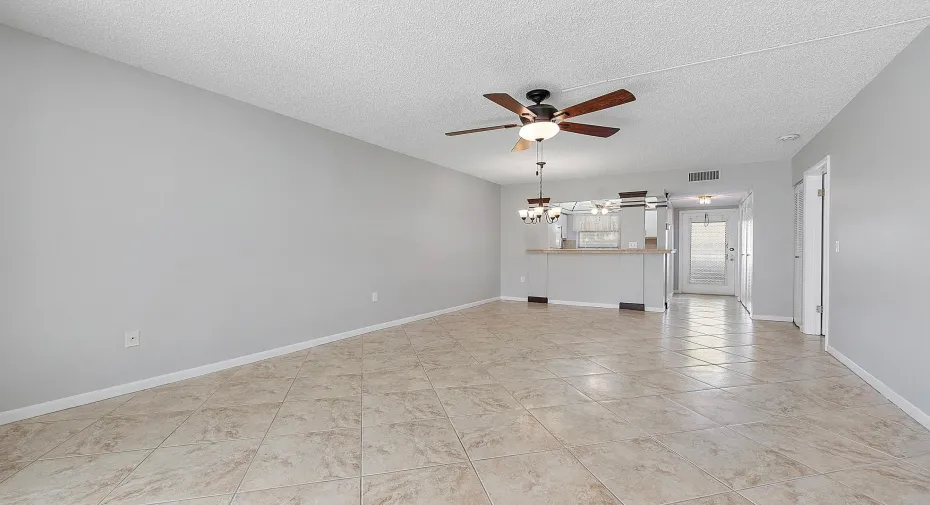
column 539, row 209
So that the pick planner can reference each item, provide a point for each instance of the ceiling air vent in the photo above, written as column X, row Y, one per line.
column 707, row 175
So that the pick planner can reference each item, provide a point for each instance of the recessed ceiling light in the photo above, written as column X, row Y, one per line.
column 789, row 137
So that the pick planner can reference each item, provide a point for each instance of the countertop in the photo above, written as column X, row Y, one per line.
column 601, row 251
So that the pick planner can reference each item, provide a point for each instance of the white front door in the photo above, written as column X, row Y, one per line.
column 708, row 252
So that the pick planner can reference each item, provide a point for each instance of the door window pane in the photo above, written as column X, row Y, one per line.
column 708, row 253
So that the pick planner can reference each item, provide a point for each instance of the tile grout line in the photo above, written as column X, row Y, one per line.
column 455, row 431
column 690, row 462
column 147, row 456
column 776, row 416
column 839, row 407
column 566, row 448
column 776, row 482
column 265, row 436
column 152, row 451
column 95, row 420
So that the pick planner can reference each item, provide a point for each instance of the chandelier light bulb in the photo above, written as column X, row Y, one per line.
column 604, row 210
column 594, row 211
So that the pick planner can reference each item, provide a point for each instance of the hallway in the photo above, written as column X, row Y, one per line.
column 505, row 403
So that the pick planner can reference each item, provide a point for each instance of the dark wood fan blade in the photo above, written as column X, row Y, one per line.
column 522, row 145
column 588, row 129
column 510, row 103
column 619, row 97
column 485, row 129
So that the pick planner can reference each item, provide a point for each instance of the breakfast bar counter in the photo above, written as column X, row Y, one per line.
column 633, row 279
column 601, row 251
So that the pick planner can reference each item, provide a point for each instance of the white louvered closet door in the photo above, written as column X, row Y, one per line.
column 743, row 238
column 749, row 259
column 798, row 253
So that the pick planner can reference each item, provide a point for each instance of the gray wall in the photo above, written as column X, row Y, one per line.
column 131, row 201
column 770, row 183
column 879, row 148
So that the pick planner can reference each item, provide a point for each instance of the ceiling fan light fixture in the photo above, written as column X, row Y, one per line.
column 540, row 130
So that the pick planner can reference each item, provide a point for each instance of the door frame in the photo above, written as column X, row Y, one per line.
column 745, row 252
column 743, row 244
column 816, row 260
column 730, row 213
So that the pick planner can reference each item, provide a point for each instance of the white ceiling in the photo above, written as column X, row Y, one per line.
column 400, row 73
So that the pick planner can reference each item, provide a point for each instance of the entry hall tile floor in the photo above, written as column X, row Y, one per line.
column 504, row 403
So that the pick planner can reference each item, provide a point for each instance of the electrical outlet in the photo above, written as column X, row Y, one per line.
column 374, row 296
column 132, row 337
column 837, row 246
column 634, row 245
column 522, row 279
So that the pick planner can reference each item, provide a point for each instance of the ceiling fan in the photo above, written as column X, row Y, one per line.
column 542, row 121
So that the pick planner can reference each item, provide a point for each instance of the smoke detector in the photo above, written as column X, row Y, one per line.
column 789, row 137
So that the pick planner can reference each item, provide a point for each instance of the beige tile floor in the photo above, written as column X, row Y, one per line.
column 504, row 404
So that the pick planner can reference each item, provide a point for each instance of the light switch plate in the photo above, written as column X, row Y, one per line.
column 522, row 279
column 374, row 296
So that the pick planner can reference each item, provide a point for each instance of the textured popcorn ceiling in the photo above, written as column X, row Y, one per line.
column 400, row 73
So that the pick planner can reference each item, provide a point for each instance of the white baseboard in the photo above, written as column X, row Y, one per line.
column 586, row 304
column 655, row 309
column 908, row 407
column 132, row 387
column 513, row 298
column 782, row 319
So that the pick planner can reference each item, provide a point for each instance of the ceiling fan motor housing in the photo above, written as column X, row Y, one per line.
column 543, row 111
column 537, row 95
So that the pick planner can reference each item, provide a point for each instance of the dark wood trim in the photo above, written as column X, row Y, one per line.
column 539, row 299
column 633, row 194
column 633, row 306
column 536, row 201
